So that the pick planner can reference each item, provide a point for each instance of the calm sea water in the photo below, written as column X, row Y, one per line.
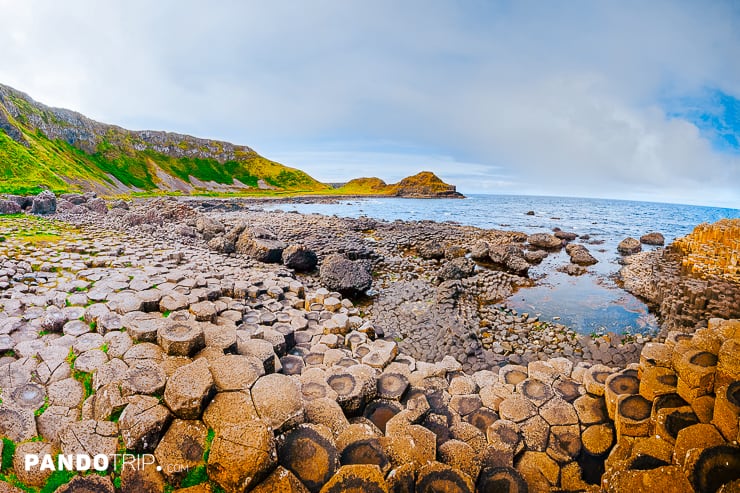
column 588, row 303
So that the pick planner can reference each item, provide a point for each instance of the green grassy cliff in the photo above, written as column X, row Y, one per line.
column 43, row 147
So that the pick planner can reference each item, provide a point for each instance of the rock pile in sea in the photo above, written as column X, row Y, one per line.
column 692, row 280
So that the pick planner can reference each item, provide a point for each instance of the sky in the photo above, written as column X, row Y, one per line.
column 615, row 99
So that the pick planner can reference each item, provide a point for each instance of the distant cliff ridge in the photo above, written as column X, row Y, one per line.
column 62, row 150
column 422, row 185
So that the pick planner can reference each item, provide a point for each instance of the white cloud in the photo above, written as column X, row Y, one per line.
column 556, row 97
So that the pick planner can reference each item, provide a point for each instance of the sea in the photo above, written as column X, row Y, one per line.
column 592, row 303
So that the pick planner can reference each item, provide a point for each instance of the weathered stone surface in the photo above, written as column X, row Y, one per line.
column 312, row 457
column 17, row 424
column 188, row 389
column 89, row 437
column 236, row 372
column 91, row 483
column 229, row 408
column 181, row 338
column 357, row 477
column 33, row 476
column 241, row 455
column 143, row 377
column 281, row 480
column 278, row 401
column 142, row 422
column 181, row 449
column 144, row 478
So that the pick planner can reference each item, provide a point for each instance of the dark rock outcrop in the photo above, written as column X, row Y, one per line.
column 349, row 277
column 300, row 258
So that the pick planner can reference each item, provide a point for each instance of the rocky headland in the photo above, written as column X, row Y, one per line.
column 243, row 350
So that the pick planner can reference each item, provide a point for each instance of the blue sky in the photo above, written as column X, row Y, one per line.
column 628, row 99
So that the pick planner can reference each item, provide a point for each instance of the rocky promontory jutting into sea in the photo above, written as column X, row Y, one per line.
column 229, row 348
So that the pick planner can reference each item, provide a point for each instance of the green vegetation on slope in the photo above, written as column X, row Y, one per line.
column 123, row 156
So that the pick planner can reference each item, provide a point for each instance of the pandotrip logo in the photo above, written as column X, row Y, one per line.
column 99, row 462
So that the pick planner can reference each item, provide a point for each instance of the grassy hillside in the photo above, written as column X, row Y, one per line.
column 43, row 147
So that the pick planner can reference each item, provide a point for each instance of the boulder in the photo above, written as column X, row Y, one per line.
column 300, row 258
column 564, row 235
column 545, row 241
column 260, row 244
column 580, row 255
column 510, row 257
column 44, row 203
column 9, row 207
column 431, row 250
column 97, row 205
column 349, row 277
column 24, row 202
column 629, row 246
column 209, row 227
column 653, row 238
column 456, row 269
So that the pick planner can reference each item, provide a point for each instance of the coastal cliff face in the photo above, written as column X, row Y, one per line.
column 694, row 279
column 421, row 185
column 44, row 147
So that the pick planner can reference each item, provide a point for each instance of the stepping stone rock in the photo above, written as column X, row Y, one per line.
column 236, row 372
column 91, row 483
column 242, row 455
column 188, row 389
column 278, row 401
column 180, row 338
column 89, row 437
column 228, row 409
column 142, row 422
column 309, row 455
column 358, row 477
column 17, row 424
column 181, row 449
column 144, row 377
column 280, row 480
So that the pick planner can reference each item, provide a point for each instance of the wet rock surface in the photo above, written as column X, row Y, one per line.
column 142, row 337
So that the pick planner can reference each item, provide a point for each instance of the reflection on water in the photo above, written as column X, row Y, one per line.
column 585, row 303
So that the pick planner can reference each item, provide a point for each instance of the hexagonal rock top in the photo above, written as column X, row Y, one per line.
column 278, row 401
column 180, row 338
column 242, row 455
column 188, row 389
